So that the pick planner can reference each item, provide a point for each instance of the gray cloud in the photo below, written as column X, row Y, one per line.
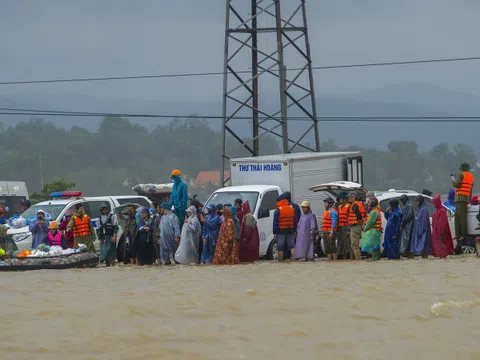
column 53, row 38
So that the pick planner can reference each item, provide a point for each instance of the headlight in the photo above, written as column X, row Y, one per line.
column 21, row 236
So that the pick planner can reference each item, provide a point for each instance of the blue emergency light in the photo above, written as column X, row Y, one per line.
column 65, row 194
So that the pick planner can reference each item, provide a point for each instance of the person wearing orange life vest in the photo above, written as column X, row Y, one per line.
column 83, row 231
column 330, row 228
column 356, row 217
column 372, row 230
column 343, row 240
column 284, row 227
column 463, row 185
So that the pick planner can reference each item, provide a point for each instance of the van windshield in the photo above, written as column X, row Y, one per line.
column 229, row 197
column 52, row 211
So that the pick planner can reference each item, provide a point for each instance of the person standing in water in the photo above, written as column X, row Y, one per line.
column 187, row 252
column 392, row 231
column 406, row 226
column 307, row 230
column 422, row 232
column 225, row 251
column 343, row 240
column 144, row 238
column 284, row 227
column 330, row 229
column 211, row 230
column 372, row 230
column 169, row 234
column 249, row 237
column 83, row 231
column 179, row 196
column 355, row 215
column 442, row 242
column 107, row 234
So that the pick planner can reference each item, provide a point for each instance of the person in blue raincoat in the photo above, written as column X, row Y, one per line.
column 211, row 230
column 179, row 196
column 450, row 204
column 392, row 234
column 422, row 232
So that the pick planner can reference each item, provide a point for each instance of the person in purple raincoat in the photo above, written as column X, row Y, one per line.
column 39, row 230
column 307, row 230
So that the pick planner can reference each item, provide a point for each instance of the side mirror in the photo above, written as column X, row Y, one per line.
column 263, row 213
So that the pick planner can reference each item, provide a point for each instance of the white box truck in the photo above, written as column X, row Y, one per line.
column 260, row 180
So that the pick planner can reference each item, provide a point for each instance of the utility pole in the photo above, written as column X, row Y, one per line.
column 41, row 171
column 271, row 35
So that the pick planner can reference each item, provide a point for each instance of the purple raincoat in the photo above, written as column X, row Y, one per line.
column 306, row 230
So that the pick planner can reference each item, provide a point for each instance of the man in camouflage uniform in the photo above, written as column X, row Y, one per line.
column 8, row 245
column 157, row 216
column 130, row 233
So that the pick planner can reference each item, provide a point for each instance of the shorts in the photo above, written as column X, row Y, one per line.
column 330, row 244
column 355, row 237
column 285, row 239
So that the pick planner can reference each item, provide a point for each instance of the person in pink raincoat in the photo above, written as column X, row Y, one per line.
column 442, row 243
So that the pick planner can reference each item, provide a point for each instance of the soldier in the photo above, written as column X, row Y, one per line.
column 130, row 233
column 83, row 231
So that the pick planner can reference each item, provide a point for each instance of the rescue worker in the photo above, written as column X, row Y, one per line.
column 463, row 185
column 179, row 196
column 83, row 231
column 107, row 234
column 298, row 212
column 130, row 234
column 356, row 216
column 284, row 227
column 330, row 228
column 343, row 243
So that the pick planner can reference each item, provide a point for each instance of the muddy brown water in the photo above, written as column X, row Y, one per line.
column 423, row 309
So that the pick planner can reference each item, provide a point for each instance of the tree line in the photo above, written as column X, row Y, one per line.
column 121, row 154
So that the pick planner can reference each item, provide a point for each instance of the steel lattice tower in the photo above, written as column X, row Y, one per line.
column 260, row 41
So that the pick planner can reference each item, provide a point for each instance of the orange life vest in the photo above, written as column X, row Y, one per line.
column 378, row 224
column 82, row 226
column 343, row 214
column 327, row 222
column 352, row 217
column 466, row 185
column 286, row 216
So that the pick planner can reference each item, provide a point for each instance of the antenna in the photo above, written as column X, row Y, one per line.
column 268, row 34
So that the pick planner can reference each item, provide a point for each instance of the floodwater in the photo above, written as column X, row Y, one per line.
column 422, row 309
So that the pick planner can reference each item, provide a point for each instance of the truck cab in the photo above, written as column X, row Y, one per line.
column 263, row 201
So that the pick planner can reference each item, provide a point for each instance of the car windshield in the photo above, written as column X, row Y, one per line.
column 230, row 197
column 52, row 211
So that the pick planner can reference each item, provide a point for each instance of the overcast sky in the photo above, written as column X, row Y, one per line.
column 69, row 38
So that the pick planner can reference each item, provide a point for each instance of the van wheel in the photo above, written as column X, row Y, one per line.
column 466, row 246
column 272, row 253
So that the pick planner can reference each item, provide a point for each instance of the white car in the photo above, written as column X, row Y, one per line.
column 56, row 208
column 335, row 188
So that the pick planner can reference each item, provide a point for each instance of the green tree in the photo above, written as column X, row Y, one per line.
column 57, row 185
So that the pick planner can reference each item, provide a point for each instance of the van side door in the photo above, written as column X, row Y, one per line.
column 268, row 204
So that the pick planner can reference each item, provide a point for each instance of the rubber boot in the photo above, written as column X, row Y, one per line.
column 376, row 255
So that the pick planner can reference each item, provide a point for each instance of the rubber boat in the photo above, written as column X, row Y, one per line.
column 71, row 261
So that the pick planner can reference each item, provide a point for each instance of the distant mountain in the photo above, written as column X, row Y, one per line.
column 399, row 100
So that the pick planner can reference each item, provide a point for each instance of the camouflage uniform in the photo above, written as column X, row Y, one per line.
column 5, row 244
column 156, row 235
column 130, row 233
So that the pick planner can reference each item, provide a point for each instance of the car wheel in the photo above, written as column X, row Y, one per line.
column 272, row 253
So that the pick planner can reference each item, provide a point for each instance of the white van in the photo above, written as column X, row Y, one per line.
column 55, row 210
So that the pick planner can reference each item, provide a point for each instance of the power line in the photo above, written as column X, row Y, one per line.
column 215, row 73
column 391, row 119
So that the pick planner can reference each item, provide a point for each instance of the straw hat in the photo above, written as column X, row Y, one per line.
column 305, row 204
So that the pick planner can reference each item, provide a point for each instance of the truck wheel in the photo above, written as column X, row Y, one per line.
column 272, row 253
column 466, row 246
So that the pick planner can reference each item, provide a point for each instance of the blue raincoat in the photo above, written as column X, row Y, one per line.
column 179, row 198
column 391, row 242
column 211, row 229
column 39, row 233
column 449, row 203
column 169, row 232
column 422, row 233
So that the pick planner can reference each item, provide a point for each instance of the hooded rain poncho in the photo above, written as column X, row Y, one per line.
column 371, row 236
column 408, row 221
column 179, row 198
column 226, row 251
column 307, row 230
column 249, row 237
column 211, row 230
column 169, row 232
column 442, row 243
column 392, row 231
column 422, row 233
column 187, row 252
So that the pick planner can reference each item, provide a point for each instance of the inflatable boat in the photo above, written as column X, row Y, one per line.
column 71, row 261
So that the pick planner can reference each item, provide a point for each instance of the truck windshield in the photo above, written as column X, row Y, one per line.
column 230, row 197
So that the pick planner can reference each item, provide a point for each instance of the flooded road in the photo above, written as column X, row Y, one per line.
column 423, row 309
